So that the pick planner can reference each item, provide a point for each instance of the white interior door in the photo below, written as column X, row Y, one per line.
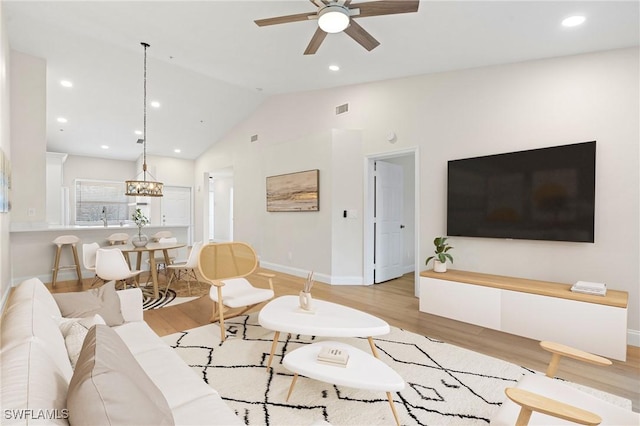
column 176, row 206
column 389, row 201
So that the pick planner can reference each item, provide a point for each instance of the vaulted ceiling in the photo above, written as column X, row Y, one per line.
column 210, row 65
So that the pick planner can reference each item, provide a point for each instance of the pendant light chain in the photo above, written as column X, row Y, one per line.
column 144, row 120
column 144, row 187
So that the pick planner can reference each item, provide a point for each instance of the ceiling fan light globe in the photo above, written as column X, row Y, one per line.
column 333, row 19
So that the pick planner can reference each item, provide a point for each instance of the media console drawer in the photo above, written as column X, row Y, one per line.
column 528, row 308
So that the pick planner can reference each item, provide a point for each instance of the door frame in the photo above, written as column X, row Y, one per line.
column 368, row 233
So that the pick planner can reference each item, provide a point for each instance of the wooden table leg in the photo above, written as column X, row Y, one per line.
column 393, row 408
column 373, row 347
column 276, row 336
column 154, row 274
column 293, row 383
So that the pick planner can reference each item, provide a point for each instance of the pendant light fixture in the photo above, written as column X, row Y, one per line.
column 144, row 187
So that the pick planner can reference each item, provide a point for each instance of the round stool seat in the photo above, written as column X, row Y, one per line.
column 66, row 239
column 118, row 238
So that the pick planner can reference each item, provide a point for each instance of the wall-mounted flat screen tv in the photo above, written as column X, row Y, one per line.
column 538, row 194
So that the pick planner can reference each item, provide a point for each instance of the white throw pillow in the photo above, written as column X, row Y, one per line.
column 74, row 330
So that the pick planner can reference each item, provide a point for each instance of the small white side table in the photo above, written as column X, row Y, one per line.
column 327, row 320
column 363, row 370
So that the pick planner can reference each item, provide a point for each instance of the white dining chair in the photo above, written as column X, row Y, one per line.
column 185, row 268
column 89, row 260
column 112, row 266
column 160, row 260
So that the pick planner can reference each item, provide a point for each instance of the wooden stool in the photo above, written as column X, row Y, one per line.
column 60, row 242
column 118, row 238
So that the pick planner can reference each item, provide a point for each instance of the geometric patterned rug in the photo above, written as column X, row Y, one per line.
column 445, row 384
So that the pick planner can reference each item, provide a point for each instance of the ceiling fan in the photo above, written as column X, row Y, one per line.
column 335, row 16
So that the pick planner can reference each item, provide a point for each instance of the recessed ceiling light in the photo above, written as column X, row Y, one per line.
column 61, row 120
column 177, row 151
column 104, row 146
column 573, row 21
column 138, row 132
column 66, row 83
column 155, row 104
column 334, row 68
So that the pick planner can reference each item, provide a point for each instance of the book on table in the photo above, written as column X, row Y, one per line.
column 333, row 356
column 599, row 289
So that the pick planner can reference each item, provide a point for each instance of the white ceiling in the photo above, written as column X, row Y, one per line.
column 210, row 66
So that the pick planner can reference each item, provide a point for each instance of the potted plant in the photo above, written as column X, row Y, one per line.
column 441, row 255
column 140, row 220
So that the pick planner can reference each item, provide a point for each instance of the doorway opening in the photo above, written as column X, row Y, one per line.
column 220, row 205
column 391, row 216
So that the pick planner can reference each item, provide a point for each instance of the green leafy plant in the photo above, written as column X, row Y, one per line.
column 441, row 250
column 140, row 220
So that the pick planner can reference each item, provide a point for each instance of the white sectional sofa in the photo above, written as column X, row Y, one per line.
column 36, row 369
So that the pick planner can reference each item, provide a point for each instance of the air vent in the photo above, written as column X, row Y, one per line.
column 342, row 109
column 254, row 138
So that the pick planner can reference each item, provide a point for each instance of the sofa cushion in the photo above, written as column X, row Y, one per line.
column 34, row 289
column 28, row 321
column 109, row 386
column 32, row 380
column 192, row 401
column 74, row 331
column 102, row 301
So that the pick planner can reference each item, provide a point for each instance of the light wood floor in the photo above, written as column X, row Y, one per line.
column 394, row 301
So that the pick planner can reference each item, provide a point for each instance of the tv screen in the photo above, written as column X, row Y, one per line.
column 539, row 194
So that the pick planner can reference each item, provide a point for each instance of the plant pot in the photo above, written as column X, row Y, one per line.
column 305, row 301
column 439, row 266
column 139, row 240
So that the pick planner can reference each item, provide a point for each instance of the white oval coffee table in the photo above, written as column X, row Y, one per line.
column 327, row 319
column 363, row 371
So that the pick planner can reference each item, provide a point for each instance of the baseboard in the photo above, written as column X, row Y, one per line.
column 633, row 337
column 302, row 273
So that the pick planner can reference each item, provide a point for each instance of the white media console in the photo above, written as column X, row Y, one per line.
column 538, row 310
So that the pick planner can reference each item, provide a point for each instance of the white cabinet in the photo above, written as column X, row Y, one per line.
column 534, row 309
column 462, row 302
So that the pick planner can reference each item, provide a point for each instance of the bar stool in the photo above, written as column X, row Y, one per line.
column 60, row 242
column 118, row 238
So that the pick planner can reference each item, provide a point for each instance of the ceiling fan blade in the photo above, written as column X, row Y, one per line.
column 386, row 7
column 316, row 41
column 285, row 19
column 359, row 34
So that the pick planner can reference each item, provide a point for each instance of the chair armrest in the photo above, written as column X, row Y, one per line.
column 559, row 350
column 531, row 402
column 269, row 276
column 131, row 304
column 265, row 274
column 216, row 283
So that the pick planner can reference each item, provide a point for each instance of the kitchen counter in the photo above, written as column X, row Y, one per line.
column 33, row 251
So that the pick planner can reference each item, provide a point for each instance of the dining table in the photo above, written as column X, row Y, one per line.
column 151, row 248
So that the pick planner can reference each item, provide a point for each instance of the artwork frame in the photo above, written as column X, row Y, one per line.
column 294, row 192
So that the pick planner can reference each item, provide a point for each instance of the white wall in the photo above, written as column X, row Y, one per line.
column 28, row 137
column 5, row 145
column 221, row 188
column 454, row 115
